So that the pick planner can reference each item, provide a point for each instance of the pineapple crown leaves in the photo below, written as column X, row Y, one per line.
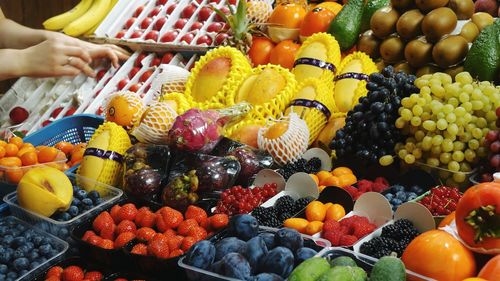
column 237, row 20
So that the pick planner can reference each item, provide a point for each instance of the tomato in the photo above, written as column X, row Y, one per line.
column 491, row 269
column 480, row 200
column 316, row 20
column 260, row 51
column 288, row 15
column 284, row 54
column 438, row 255
column 447, row 220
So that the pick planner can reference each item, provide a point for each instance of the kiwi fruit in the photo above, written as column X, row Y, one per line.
column 453, row 71
column 429, row 5
column 402, row 5
column 482, row 20
column 392, row 49
column 418, row 52
column 469, row 32
column 428, row 69
column 383, row 22
column 369, row 44
column 450, row 51
column 404, row 67
column 464, row 9
column 409, row 24
column 438, row 23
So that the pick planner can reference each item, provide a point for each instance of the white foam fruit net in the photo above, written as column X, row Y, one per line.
column 289, row 146
column 170, row 79
column 259, row 11
column 155, row 124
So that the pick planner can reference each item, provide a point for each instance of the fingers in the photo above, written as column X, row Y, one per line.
column 101, row 51
column 122, row 53
column 81, row 65
column 66, row 70
column 79, row 53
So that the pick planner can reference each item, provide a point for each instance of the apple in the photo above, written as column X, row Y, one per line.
column 145, row 76
column 231, row 2
column 46, row 123
column 120, row 34
column 56, row 112
column 171, row 8
column 146, row 22
column 159, row 23
column 18, row 115
column 135, row 87
column 152, row 35
column 204, row 13
column 204, row 39
column 122, row 83
column 70, row 111
column 45, row 190
column 180, row 23
column 224, row 10
column 138, row 11
column 214, row 1
column 133, row 72
column 100, row 74
column 130, row 22
column 97, row 93
column 161, row 2
column 155, row 11
column 187, row 38
column 138, row 60
column 136, row 34
column 155, row 62
column 196, row 26
column 188, row 11
column 198, row 1
column 167, row 57
column 169, row 36
column 215, row 27
column 146, row 89
column 220, row 38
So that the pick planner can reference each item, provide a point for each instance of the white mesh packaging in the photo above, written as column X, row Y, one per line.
column 155, row 124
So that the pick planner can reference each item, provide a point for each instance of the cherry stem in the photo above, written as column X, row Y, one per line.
column 485, row 221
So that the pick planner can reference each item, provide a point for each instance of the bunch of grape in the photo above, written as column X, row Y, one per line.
column 446, row 123
column 492, row 142
column 369, row 133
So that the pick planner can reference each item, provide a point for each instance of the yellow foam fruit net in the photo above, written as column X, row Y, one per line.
column 240, row 67
column 155, row 124
column 110, row 172
column 183, row 102
column 314, row 103
column 270, row 109
column 291, row 144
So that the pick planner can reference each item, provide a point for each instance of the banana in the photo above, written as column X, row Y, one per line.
column 96, row 13
column 60, row 21
column 93, row 29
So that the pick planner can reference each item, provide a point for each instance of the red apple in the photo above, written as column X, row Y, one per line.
column 100, row 74
column 196, row 26
column 169, row 36
column 145, row 76
column 152, row 35
column 120, row 34
column 188, row 11
column 204, row 39
column 46, row 123
column 136, row 34
column 220, row 38
column 224, row 10
column 215, row 27
column 161, row 2
column 204, row 13
column 167, row 57
column 159, row 23
column 18, row 115
column 180, row 23
column 135, row 87
column 155, row 62
column 187, row 38
column 155, row 11
column 138, row 11
column 97, row 93
column 198, row 1
column 231, row 2
column 122, row 83
column 171, row 8
column 138, row 60
column 133, row 72
column 56, row 112
column 214, row 1
column 70, row 111
column 146, row 22
column 130, row 22
column 146, row 89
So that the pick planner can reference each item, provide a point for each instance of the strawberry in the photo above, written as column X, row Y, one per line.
column 106, row 244
column 88, row 234
column 126, row 226
column 103, row 220
column 347, row 240
column 176, row 253
column 196, row 213
column 94, row 240
column 205, row 223
column 52, row 278
column 158, row 247
column 93, row 276
column 54, row 271
column 175, row 242
column 127, row 212
column 120, row 279
column 333, row 237
column 170, row 233
column 145, row 233
column 219, row 221
column 187, row 243
column 145, row 218
column 198, row 233
column 186, row 226
column 108, row 232
column 331, row 225
column 123, row 239
column 114, row 213
column 167, row 217
column 140, row 249
column 72, row 273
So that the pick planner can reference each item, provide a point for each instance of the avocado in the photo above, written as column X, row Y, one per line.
column 346, row 26
column 342, row 261
column 483, row 59
column 388, row 269
column 309, row 270
column 370, row 8
column 344, row 273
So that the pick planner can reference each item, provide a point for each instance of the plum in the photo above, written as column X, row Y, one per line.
column 142, row 182
column 279, row 260
column 303, row 254
column 268, row 238
column 218, row 267
column 487, row 6
column 289, row 238
column 256, row 250
column 236, row 266
column 201, row 255
column 229, row 245
column 244, row 227
column 267, row 277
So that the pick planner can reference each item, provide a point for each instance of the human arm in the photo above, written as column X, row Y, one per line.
column 16, row 36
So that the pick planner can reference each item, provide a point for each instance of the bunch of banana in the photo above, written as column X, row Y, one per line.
column 84, row 18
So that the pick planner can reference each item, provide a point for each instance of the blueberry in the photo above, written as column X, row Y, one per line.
column 10, row 279
column 245, row 227
column 93, row 195
column 279, row 260
column 98, row 201
column 389, row 196
column 75, row 189
column 21, row 227
column 289, row 238
column 73, row 211
column 37, row 240
column 20, row 264
column 42, row 260
column 201, row 255
column 76, row 202
column 398, row 187
column 396, row 202
column 66, row 216
column 401, row 195
column 87, row 202
column 267, row 277
column 3, row 268
column 63, row 232
column 3, row 230
column 12, row 275
column 81, row 194
column 412, row 196
column 45, row 249
column 33, row 255
column 3, row 276
column 8, row 239
column 19, row 241
column 25, row 249
column 256, row 250
column 229, row 245
column 34, row 265
column 23, row 272
column 53, row 253
column 303, row 254
column 236, row 266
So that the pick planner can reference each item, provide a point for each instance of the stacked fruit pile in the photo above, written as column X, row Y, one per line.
column 239, row 200
column 72, row 272
column 316, row 213
column 284, row 208
column 347, row 231
column 441, row 200
column 398, row 194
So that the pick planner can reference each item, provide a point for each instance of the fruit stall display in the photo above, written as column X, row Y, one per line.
column 260, row 140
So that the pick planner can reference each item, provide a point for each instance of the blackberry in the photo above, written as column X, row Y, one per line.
column 313, row 165
column 266, row 216
column 285, row 204
column 367, row 248
column 398, row 248
column 382, row 246
column 302, row 203
column 407, row 228
column 284, row 216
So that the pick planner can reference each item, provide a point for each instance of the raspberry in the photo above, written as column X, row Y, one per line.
column 333, row 237
column 344, row 230
column 383, row 181
column 378, row 187
column 351, row 190
column 361, row 229
column 347, row 240
column 365, row 185
column 331, row 225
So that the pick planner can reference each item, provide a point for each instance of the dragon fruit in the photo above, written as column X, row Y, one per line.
column 200, row 131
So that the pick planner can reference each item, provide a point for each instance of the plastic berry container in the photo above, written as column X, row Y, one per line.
column 450, row 178
column 85, row 264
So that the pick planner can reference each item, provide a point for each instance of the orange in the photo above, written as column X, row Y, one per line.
column 447, row 220
column 2, row 151
column 322, row 176
column 332, row 6
column 65, row 147
column 347, row 179
column 29, row 158
column 341, row 171
column 321, row 187
column 17, row 141
column 260, row 51
column 315, row 178
column 47, row 154
column 11, row 162
column 298, row 224
column 11, row 150
column 314, row 227
column 335, row 212
column 2, row 143
column 288, row 15
column 316, row 20
column 25, row 149
column 14, row 174
column 284, row 54
column 331, row 181
column 315, row 211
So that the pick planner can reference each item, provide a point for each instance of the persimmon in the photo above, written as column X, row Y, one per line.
column 2, row 143
column 332, row 6
column 316, row 20
column 347, row 179
column 288, row 15
column 2, row 151
column 25, row 149
column 284, row 54
column 260, row 50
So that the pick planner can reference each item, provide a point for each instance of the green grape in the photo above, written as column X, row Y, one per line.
column 409, row 159
column 445, row 78
column 447, row 145
column 460, row 121
column 447, row 135
column 402, row 153
column 477, row 133
column 426, row 143
column 417, row 110
column 435, row 80
column 482, row 151
column 485, row 131
column 441, row 124
column 445, row 158
column 464, row 78
column 465, row 137
column 463, row 97
column 453, row 101
column 417, row 152
column 467, row 106
column 414, row 98
column 489, row 90
column 406, row 102
column 432, row 162
column 458, row 156
column 437, row 140
column 473, row 144
column 400, row 123
column 468, row 117
column 421, row 82
column 477, row 105
column 454, row 166
column 481, row 123
column 448, row 108
column 451, row 117
column 386, row 160
column 476, row 94
column 410, row 146
column 413, row 129
column 436, row 149
column 452, row 129
column 469, row 155
column 424, row 99
column 425, row 90
column 429, row 125
column 419, row 135
column 486, row 108
column 485, row 100
column 468, row 88
column 469, row 127
column 440, row 115
column 436, row 106
column 459, row 177
column 415, row 121
column 425, row 116
column 406, row 114
column 460, row 111
column 458, row 145
column 465, row 167
column 444, row 174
